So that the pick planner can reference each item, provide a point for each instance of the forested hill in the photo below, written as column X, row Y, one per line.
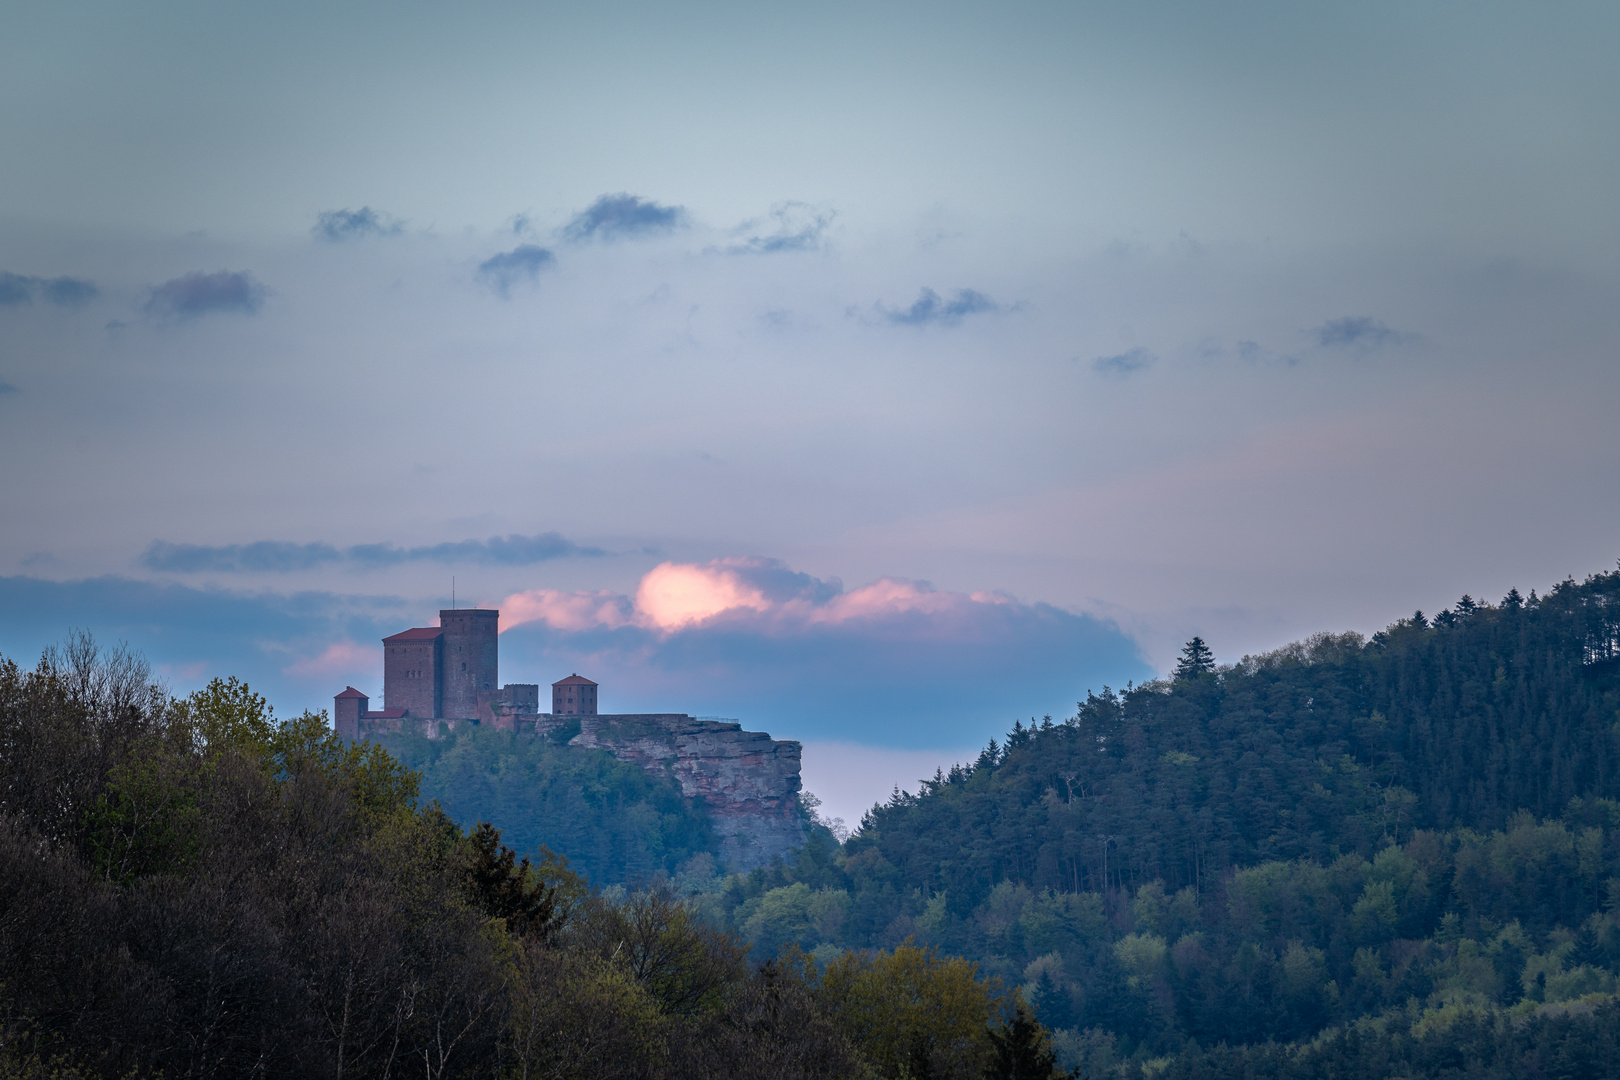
column 1345, row 858
column 1333, row 745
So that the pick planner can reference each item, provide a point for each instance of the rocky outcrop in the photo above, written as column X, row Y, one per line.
column 748, row 781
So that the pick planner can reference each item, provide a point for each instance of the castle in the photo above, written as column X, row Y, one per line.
column 439, row 678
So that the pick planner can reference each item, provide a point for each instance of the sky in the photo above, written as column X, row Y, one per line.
column 878, row 375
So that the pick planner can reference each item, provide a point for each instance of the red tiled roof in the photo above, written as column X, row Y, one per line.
column 573, row 680
column 383, row 714
column 350, row 691
column 416, row 634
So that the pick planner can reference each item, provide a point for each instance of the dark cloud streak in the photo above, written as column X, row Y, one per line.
column 624, row 217
column 70, row 292
column 1126, row 363
column 930, row 309
column 280, row 556
column 1357, row 332
column 338, row 226
column 799, row 227
column 522, row 263
column 203, row 293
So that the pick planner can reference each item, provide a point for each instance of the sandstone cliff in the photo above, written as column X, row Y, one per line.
column 748, row 781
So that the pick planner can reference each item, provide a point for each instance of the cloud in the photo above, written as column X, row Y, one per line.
column 513, row 550
column 336, row 226
column 522, row 263
column 624, row 216
column 7, row 388
column 930, row 308
column 265, row 556
column 195, row 634
column 894, row 661
column 70, row 292
column 339, row 658
column 279, row 556
column 568, row 611
column 799, row 227
column 1357, row 332
column 673, row 595
column 16, row 289
column 201, row 293
column 1126, row 363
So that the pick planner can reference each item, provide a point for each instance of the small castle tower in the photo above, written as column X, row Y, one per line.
column 347, row 709
column 573, row 696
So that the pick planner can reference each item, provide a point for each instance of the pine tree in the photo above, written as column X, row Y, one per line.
column 506, row 888
column 1023, row 1050
column 1051, row 1002
column 1196, row 659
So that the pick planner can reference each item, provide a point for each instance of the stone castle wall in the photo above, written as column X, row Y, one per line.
column 749, row 781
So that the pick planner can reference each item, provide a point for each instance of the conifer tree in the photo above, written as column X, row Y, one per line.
column 1196, row 659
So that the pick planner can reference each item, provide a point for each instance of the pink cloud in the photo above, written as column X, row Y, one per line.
column 340, row 658
column 677, row 596
column 565, row 610
column 673, row 595
column 889, row 660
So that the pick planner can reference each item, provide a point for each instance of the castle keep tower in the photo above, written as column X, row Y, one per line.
column 471, row 656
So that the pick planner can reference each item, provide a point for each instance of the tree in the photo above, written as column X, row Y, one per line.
column 1021, row 1049
column 912, row 1012
column 508, row 891
column 1196, row 659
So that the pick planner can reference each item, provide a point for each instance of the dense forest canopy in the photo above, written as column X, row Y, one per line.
column 1393, row 831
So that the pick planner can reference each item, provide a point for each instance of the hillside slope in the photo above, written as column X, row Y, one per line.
column 1329, row 746
column 1340, row 831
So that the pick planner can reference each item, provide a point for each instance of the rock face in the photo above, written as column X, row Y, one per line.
column 748, row 781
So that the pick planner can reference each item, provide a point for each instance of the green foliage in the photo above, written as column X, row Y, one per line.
column 225, row 713
column 374, row 780
column 1022, row 1050
column 610, row 820
column 912, row 1012
column 1196, row 659
column 1582, row 1042
column 512, row 891
column 147, row 820
column 1270, row 850
column 187, row 889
